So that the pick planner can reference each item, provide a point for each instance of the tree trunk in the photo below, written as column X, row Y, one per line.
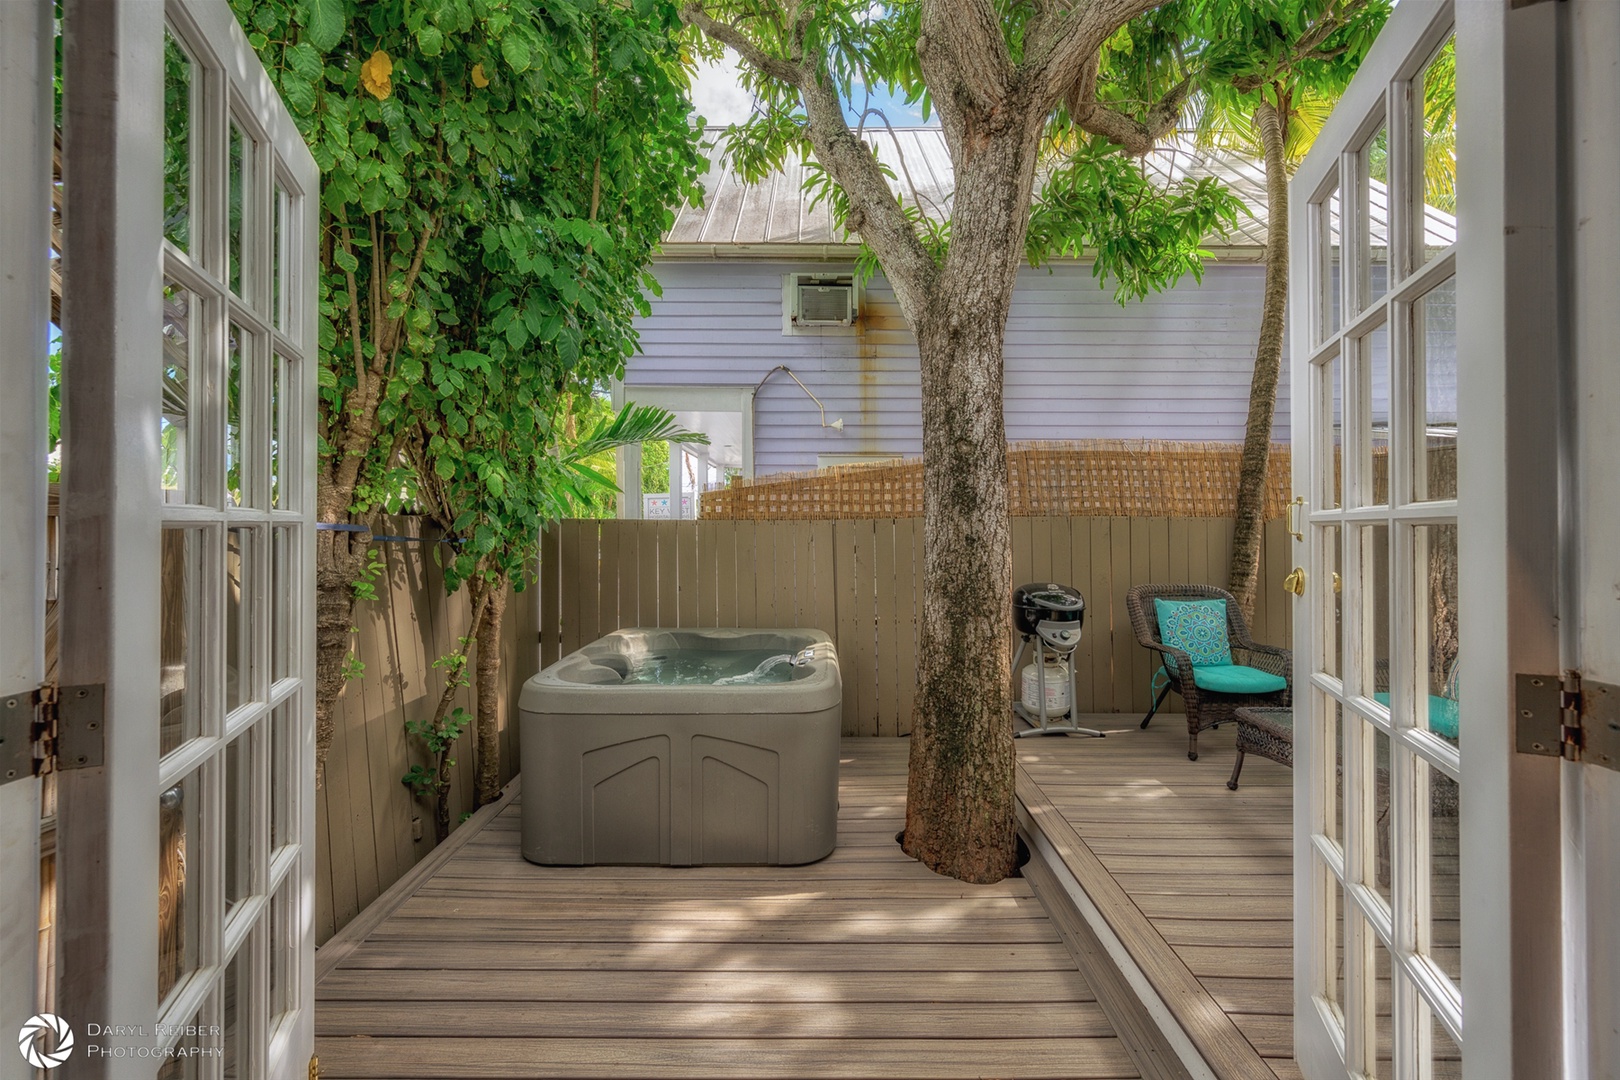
column 960, row 805
column 1251, row 494
column 340, row 559
column 488, row 685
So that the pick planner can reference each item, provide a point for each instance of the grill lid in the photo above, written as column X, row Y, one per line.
column 1040, row 602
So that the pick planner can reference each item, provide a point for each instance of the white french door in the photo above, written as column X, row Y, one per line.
column 186, row 852
column 1379, row 640
column 26, row 35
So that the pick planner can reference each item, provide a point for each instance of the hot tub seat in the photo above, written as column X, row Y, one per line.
column 681, row 775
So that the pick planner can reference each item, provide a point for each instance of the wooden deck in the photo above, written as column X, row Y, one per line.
column 1195, row 880
column 482, row 965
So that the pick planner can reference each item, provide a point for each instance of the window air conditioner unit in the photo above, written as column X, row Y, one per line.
column 823, row 301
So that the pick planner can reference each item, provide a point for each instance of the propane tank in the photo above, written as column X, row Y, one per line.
column 1057, row 689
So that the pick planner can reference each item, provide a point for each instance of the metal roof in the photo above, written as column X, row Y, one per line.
column 777, row 211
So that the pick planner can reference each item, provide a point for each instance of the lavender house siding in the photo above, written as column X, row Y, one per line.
column 1079, row 366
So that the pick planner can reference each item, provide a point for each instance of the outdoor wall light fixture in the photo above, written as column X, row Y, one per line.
column 836, row 425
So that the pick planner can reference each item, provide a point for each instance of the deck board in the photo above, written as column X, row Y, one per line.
column 1205, row 871
column 864, row 964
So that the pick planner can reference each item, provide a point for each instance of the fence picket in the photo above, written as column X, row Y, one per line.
column 686, row 574
column 844, row 593
column 747, row 546
column 629, row 575
column 887, row 644
column 668, row 573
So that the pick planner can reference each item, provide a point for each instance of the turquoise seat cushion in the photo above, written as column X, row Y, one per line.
column 1237, row 679
column 1197, row 628
column 1443, row 717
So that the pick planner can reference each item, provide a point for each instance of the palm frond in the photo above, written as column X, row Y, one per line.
column 632, row 424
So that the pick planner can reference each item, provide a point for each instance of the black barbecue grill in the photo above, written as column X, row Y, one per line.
column 1055, row 612
column 1050, row 616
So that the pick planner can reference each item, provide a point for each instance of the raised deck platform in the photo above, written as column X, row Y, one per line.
column 1192, row 880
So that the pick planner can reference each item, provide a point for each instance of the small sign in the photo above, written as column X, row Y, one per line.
column 657, row 506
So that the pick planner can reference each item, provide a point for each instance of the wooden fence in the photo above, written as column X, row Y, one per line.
column 861, row 581
column 369, row 828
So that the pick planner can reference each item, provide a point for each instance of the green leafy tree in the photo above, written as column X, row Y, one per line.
column 1042, row 106
column 1274, row 69
column 494, row 177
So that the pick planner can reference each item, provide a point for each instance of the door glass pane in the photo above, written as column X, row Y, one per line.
column 179, row 76
column 1445, row 926
column 1375, row 216
column 278, row 375
column 1338, row 783
column 240, row 849
column 1342, row 913
column 1438, row 655
column 238, row 617
column 1444, row 1055
column 283, row 746
column 1373, row 357
column 237, row 1013
column 1374, row 545
column 1332, row 658
column 1328, row 290
column 282, row 604
column 179, row 876
column 239, row 217
column 179, row 632
column 281, row 958
column 1383, row 812
column 1333, row 955
column 278, row 260
column 190, row 1051
column 236, row 409
column 1383, row 1024
column 1437, row 164
column 174, row 425
column 1434, row 393
column 1330, row 419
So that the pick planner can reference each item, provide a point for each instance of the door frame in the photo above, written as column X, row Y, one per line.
column 26, row 51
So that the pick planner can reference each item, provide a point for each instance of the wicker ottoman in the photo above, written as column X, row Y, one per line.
column 1268, row 732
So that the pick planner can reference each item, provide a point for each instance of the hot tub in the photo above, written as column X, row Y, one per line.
column 684, row 748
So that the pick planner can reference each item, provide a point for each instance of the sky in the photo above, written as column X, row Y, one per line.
column 720, row 99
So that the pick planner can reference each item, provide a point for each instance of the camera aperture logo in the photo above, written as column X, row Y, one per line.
column 31, row 1041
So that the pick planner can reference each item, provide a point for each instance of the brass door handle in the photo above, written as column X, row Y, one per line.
column 1295, row 581
column 1297, row 505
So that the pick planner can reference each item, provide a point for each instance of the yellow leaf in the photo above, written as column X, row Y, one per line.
column 374, row 75
column 478, row 76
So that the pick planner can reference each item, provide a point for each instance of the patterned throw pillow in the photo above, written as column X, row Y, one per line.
column 1197, row 628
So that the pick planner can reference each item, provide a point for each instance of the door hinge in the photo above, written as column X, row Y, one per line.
column 22, row 733
column 1569, row 717
column 31, row 728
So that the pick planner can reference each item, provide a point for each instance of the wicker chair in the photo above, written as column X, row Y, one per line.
column 1205, row 708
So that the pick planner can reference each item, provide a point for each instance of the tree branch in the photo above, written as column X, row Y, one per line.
column 874, row 214
column 963, row 50
column 1068, row 39
column 1136, row 135
column 1308, row 47
column 781, row 70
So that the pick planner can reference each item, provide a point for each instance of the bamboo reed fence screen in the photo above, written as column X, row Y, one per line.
column 1087, row 479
